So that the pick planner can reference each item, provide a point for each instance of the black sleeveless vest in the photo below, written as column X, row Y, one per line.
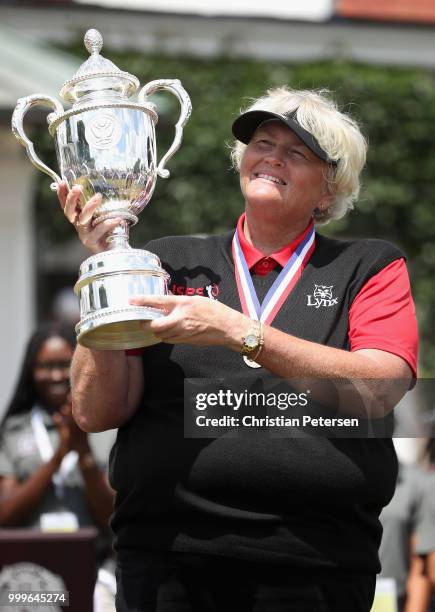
column 304, row 502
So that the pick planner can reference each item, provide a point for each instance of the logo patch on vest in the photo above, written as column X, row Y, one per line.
column 211, row 291
column 322, row 296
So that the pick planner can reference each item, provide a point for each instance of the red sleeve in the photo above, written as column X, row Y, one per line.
column 382, row 315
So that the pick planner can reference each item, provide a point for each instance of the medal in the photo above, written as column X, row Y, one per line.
column 279, row 291
column 250, row 363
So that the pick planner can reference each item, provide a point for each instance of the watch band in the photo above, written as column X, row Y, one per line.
column 255, row 357
column 253, row 340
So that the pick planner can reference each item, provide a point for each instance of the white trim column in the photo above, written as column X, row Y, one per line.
column 17, row 282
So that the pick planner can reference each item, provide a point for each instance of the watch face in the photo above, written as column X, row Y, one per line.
column 251, row 340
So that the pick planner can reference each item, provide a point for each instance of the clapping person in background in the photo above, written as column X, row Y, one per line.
column 423, row 542
column 407, row 551
column 50, row 476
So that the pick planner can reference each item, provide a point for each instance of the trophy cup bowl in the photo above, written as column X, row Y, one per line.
column 105, row 143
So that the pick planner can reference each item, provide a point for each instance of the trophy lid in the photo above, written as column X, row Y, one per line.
column 98, row 76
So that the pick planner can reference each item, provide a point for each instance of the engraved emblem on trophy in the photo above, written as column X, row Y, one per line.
column 106, row 143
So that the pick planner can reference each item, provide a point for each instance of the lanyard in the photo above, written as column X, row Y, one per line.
column 283, row 284
column 46, row 451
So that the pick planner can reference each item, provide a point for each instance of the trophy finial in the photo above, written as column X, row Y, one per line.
column 93, row 41
column 97, row 73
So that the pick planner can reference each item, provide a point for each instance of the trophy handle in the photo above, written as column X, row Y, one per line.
column 21, row 109
column 175, row 87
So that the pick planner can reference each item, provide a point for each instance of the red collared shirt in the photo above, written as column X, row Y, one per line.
column 382, row 315
column 261, row 264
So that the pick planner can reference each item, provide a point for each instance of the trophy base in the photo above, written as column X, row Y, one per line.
column 106, row 285
column 117, row 329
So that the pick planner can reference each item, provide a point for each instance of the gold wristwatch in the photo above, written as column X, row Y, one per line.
column 253, row 341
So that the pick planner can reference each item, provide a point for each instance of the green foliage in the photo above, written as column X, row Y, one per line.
column 396, row 108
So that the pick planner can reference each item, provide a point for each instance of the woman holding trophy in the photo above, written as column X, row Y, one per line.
column 255, row 524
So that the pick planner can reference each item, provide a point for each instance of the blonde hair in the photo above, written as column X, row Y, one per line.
column 337, row 133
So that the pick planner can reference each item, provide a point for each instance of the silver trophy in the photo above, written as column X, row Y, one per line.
column 106, row 144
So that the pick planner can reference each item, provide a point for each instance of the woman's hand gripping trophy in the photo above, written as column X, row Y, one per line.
column 93, row 236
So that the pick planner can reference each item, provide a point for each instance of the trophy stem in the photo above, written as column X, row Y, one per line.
column 118, row 237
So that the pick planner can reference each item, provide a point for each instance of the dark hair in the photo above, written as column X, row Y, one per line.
column 430, row 450
column 25, row 395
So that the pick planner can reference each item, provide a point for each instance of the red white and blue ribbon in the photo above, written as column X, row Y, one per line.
column 283, row 284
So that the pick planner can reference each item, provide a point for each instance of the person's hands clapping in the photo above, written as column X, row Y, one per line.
column 93, row 236
column 71, row 437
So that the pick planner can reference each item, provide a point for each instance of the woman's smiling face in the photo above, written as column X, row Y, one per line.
column 281, row 177
column 51, row 372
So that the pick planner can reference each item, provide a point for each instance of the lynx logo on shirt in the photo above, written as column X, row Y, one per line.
column 322, row 296
column 211, row 291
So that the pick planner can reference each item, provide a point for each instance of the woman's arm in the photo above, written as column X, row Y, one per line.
column 431, row 570
column 18, row 500
column 107, row 387
column 382, row 377
column 418, row 588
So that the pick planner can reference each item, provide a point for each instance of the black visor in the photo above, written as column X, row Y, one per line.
column 245, row 126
